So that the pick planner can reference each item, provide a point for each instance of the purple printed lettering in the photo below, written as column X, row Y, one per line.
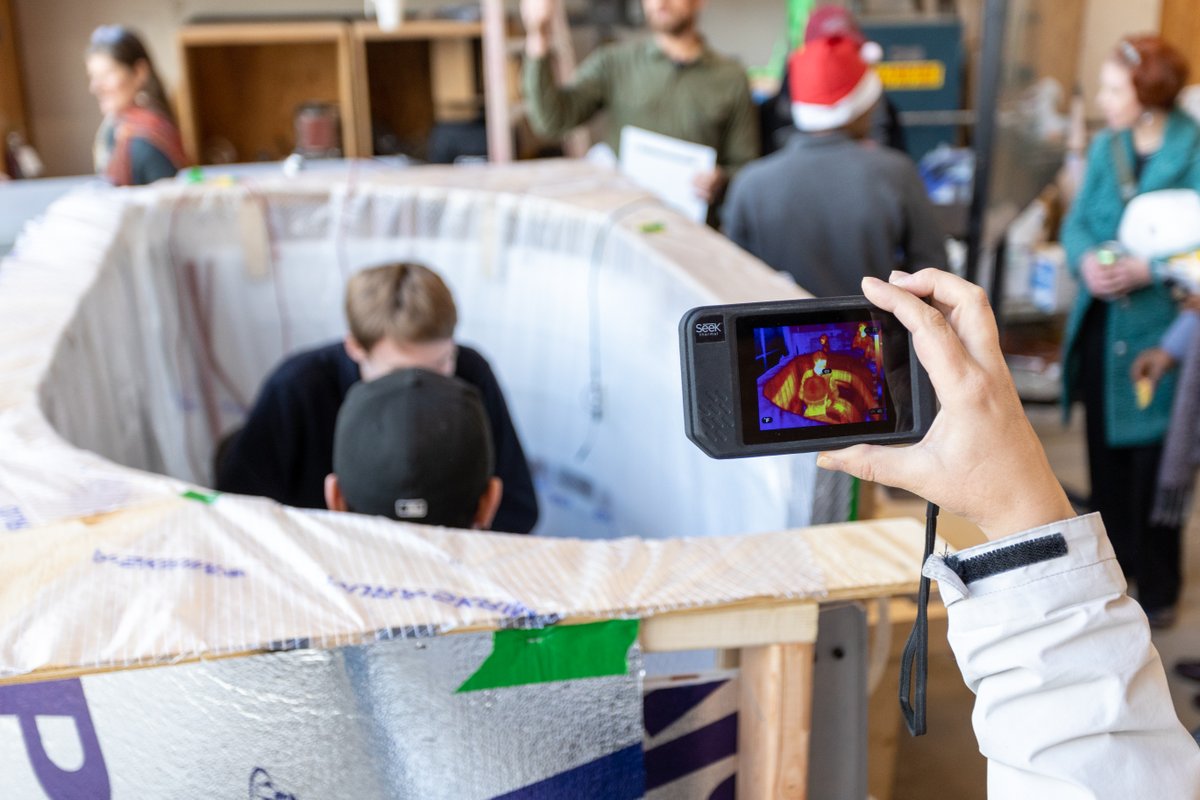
column 27, row 702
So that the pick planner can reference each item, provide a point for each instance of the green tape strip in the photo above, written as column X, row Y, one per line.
column 855, row 496
column 557, row 653
column 208, row 498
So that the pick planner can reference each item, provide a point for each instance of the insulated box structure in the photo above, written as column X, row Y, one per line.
column 159, row 639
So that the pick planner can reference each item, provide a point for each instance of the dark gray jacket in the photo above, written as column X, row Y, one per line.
column 831, row 210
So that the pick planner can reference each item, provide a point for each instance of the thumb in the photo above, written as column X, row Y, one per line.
column 887, row 465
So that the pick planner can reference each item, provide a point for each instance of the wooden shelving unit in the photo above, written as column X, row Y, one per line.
column 242, row 84
column 422, row 73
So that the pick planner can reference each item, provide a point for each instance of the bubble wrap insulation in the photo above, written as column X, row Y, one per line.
column 376, row 722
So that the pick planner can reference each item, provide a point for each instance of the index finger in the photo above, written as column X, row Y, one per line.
column 965, row 305
column 938, row 346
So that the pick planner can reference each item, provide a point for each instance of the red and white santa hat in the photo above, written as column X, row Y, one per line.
column 831, row 84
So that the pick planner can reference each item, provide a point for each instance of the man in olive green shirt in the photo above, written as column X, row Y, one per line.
column 671, row 84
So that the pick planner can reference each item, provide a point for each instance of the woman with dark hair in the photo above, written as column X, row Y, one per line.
column 1124, row 308
column 138, row 142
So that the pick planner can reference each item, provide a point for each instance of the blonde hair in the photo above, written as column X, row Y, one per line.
column 404, row 302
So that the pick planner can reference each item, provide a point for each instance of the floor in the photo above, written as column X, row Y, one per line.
column 945, row 762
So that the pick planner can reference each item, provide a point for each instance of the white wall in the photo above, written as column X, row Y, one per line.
column 1105, row 22
column 746, row 29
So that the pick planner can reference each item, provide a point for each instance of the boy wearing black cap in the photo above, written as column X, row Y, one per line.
column 400, row 316
column 415, row 446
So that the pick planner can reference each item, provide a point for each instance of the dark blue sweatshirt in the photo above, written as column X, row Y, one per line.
column 285, row 449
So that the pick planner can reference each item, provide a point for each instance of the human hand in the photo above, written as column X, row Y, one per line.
column 1191, row 303
column 1151, row 365
column 537, row 16
column 1108, row 281
column 1130, row 273
column 1096, row 276
column 710, row 186
column 981, row 458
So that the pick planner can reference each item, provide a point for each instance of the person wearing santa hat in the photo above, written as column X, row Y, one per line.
column 776, row 118
column 828, row 208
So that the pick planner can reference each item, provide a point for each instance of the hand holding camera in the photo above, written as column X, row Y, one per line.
column 981, row 458
column 859, row 373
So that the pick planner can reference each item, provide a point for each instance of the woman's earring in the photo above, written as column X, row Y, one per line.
column 141, row 99
column 1146, row 118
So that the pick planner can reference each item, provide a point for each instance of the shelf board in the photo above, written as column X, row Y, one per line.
column 227, row 34
column 420, row 29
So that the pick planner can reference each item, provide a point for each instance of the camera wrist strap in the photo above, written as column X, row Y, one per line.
column 914, row 663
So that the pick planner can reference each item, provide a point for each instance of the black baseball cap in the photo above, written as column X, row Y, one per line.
column 416, row 446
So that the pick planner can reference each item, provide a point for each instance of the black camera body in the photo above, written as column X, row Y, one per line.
column 799, row 376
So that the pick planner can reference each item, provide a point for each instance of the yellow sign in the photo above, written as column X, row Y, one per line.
column 908, row 76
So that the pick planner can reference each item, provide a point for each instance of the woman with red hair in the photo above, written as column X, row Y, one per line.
column 1124, row 308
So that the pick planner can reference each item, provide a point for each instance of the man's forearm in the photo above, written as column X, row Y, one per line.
column 553, row 110
column 537, row 44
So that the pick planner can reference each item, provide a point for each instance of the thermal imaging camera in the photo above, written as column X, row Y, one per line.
column 798, row 376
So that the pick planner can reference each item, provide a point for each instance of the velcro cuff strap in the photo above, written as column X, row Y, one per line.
column 1006, row 559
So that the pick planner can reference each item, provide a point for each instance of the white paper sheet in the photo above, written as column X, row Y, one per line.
column 667, row 167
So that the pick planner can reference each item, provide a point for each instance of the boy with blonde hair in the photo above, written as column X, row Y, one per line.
column 400, row 316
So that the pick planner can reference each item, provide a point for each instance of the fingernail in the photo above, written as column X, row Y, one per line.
column 826, row 461
column 899, row 278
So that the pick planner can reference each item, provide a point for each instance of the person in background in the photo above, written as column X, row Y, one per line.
column 1124, row 308
column 826, row 208
column 400, row 316
column 824, row 22
column 415, row 446
column 671, row 83
column 138, row 141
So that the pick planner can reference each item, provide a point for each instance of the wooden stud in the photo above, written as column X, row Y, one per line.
column 731, row 627
column 774, row 722
column 347, row 92
column 495, row 82
column 1181, row 27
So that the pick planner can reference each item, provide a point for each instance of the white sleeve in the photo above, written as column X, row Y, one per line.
column 1071, row 697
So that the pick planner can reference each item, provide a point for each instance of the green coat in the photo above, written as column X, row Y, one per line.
column 1138, row 321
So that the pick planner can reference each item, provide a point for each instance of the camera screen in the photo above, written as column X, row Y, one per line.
column 821, row 375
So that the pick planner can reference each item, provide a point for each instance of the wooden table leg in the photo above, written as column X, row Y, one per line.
column 774, row 722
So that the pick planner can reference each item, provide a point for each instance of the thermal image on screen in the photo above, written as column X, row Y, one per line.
column 826, row 374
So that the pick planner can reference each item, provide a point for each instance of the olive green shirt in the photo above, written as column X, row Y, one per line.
column 706, row 101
